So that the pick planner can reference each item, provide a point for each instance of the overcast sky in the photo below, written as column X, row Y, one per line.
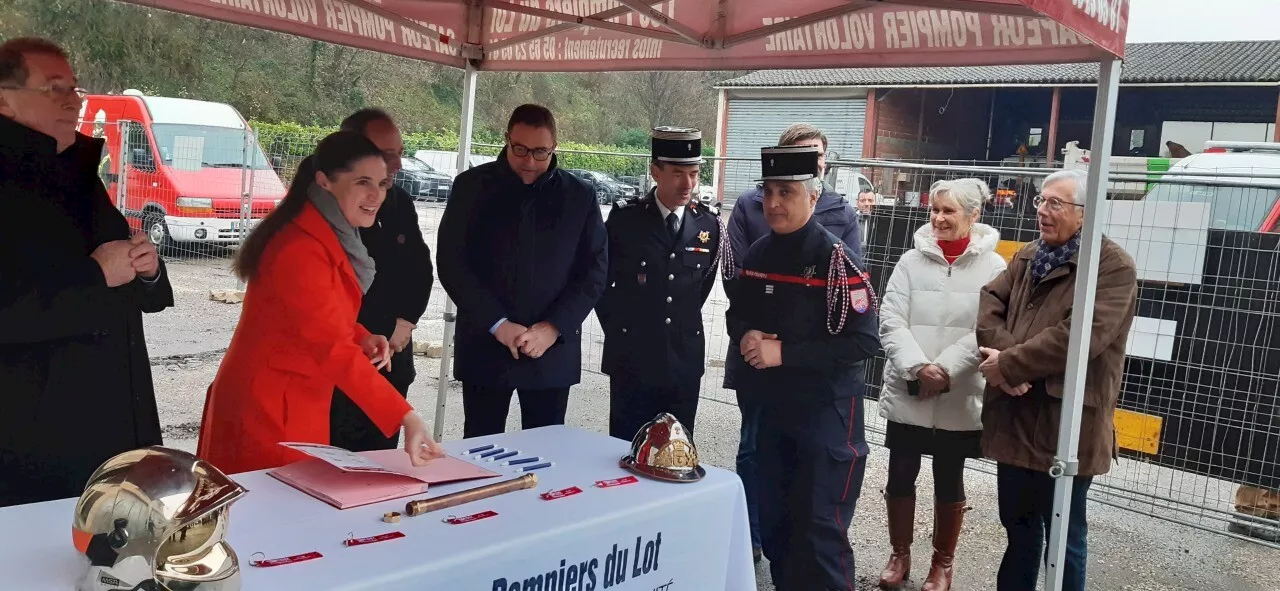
column 1203, row 20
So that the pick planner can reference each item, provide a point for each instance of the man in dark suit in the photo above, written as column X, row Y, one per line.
column 523, row 252
column 401, row 287
column 663, row 250
column 75, row 378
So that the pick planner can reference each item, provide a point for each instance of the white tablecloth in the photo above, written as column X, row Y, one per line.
column 691, row 536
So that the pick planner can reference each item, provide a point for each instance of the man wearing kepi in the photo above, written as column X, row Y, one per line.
column 1024, row 326
column 745, row 225
column 804, row 315
column 663, row 250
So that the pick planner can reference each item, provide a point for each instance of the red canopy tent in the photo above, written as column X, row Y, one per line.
column 610, row 35
column 614, row 35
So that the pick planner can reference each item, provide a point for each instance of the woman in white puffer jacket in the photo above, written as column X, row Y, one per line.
column 932, row 394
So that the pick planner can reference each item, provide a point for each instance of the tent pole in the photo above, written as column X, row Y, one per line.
column 450, row 310
column 1065, row 463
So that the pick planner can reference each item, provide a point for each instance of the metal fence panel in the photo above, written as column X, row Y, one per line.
column 1200, row 405
column 1199, row 408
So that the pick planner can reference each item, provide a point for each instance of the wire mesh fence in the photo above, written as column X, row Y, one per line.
column 1199, row 417
column 1198, row 423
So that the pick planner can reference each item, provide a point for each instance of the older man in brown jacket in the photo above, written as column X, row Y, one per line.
column 1024, row 324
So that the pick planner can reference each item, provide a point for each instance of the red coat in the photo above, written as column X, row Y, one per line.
column 297, row 339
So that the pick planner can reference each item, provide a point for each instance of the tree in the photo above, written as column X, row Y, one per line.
column 274, row 77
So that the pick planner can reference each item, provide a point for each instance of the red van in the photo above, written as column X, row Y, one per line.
column 184, row 171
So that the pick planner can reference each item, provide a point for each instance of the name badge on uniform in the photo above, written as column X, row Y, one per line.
column 859, row 300
column 641, row 278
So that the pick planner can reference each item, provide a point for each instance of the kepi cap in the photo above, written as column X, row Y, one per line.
column 789, row 163
column 676, row 145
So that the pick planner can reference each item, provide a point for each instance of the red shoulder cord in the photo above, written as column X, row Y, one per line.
column 839, row 296
column 724, row 255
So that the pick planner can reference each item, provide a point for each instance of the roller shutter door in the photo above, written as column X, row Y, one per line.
column 756, row 123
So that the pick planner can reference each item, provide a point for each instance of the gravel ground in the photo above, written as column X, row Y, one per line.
column 1129, row 550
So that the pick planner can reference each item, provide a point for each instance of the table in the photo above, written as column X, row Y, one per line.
column 693, row 536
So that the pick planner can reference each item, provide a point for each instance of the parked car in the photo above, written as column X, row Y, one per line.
column 180, row 169
column 608, row 189
column 638, row 182
column 706, row 195
column 422, row 182
column 446, row 162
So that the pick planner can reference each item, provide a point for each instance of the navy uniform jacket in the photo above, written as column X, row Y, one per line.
column 528, row 253
column 651, row 310
column 782, row 290
column 747, row 224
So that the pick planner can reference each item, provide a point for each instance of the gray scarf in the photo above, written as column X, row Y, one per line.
column 348, row 235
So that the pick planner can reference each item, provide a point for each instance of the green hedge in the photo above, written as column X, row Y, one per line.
column 293, row 142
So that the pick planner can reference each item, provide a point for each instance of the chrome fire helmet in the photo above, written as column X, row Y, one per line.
column 153, row 519
column 662, row 450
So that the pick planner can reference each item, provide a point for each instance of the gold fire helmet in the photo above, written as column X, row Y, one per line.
column 662, row 450
column 154, row 519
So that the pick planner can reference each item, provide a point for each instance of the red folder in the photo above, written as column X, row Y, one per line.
column 389, row 475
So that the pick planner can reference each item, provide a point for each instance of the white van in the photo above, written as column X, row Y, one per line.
column 447, row 162
column 1242, row 203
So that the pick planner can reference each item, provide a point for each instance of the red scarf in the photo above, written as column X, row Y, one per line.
column 952, row 249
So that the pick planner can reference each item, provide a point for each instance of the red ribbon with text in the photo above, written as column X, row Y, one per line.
column 617, row 482
column 286, row 560
column 372, row 539
column 470, row 518
column 560, row 494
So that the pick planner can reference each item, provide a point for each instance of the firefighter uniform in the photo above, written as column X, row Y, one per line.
column 809, row 289
column 662, row 265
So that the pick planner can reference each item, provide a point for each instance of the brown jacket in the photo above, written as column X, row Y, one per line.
column 1031, row 325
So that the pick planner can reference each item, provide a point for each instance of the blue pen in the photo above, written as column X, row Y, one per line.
column 493, row 452
column 536, row 467
column 476, row 450
column 503, row 456
column 522, row 461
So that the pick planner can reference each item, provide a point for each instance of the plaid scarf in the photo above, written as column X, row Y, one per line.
column 1049, row 258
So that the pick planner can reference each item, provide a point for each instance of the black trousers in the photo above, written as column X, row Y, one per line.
column 351, row 429
column 632, row 404
column 486, row 407
column 811, row 467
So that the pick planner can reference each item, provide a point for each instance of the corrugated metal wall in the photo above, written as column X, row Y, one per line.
column 757, row 123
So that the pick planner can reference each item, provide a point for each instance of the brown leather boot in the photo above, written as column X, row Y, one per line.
column 947, row 519
column 902, row 517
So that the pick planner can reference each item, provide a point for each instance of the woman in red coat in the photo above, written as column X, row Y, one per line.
column 298, row 338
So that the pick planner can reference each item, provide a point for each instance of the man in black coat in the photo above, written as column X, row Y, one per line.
column 401, row 286
column 75, row 378
column 804, row 315
column 523, row 253
column 663, row 250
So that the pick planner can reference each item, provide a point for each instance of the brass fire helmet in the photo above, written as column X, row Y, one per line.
column 154, row 519
column 662, row 450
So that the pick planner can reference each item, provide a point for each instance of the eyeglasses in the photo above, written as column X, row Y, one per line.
column 54, row 91
column 1055, row 204
column 538, row 153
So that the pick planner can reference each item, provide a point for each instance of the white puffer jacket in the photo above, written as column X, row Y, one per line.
column 927, row 316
